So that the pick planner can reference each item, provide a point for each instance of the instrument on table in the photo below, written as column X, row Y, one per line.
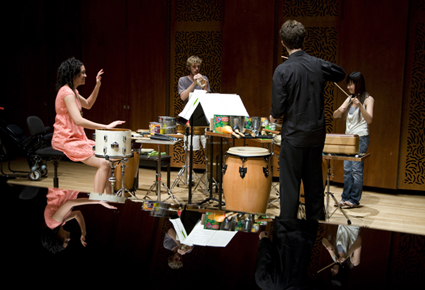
column 168, row 124
column 113, row 143
column 341, row 144
column 247, row 178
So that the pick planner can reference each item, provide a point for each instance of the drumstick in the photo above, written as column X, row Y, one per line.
column 326, row 267
column 352, row 98
column 341, row 89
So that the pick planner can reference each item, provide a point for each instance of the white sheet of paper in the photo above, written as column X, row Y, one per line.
column 214, row 104
column 180, row 231
column 203, row 237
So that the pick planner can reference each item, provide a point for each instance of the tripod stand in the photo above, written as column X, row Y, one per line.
column 330, row 157
column 330, row 194
column 182, row 176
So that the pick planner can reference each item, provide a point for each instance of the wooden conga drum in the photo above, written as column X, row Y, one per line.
column 247, row 179
column 131, row 170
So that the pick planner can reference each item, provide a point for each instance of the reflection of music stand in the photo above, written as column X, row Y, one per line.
column 328, row 193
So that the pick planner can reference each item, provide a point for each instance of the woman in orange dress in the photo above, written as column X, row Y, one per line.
column 69, row 135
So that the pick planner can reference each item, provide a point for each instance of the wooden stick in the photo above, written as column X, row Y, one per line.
column 341, row 89
column 326, row 267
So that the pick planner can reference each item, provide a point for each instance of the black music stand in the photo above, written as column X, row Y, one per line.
column 197, row 118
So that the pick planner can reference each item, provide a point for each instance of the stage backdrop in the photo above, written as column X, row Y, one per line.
column 144, row 46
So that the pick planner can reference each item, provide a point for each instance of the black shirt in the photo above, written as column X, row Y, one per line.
column 297, row 94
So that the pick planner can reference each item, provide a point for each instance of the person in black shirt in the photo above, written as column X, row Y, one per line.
column 297, row 95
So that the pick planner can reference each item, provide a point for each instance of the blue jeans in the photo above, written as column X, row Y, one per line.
column 353, row 175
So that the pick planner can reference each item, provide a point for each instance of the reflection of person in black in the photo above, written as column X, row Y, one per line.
column 59, row 210
column 346, row 252
column 282, row 263
column 297, row 95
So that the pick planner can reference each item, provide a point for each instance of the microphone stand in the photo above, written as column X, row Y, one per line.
column 190, row 159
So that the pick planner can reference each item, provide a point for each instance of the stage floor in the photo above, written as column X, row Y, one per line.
column 380, row 208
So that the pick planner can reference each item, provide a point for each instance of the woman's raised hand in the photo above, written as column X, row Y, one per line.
column 114, row 124
column 99, row 76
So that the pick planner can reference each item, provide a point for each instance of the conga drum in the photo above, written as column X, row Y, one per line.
column 247, row 179
column 130, row 174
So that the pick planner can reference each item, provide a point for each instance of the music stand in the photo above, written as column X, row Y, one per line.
column 200, row 109
column 197, row 118
column 330, row 157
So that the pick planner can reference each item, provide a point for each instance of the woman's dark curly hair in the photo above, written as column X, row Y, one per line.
column 50, row 240
column 67, row 71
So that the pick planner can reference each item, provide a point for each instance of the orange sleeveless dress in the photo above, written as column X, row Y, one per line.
column 68, row 137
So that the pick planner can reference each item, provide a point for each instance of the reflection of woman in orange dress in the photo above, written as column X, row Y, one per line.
column 60, row 209
column 69, row 136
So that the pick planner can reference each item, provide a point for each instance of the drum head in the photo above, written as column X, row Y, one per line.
column 248, row 151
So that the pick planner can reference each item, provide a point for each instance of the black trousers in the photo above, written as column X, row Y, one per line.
column 296, row 164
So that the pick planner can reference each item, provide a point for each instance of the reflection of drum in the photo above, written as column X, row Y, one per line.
column 247, row 179
column 132, row 166
column 113, row 143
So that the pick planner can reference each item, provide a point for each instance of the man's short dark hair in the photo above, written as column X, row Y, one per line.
column 292, row 34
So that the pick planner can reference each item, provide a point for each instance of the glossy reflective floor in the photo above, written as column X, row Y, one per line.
column 124, row 245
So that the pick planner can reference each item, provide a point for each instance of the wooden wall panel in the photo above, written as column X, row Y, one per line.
column 146, row 62
column 248, row 46
column 38, row 37
column 103, row 40
column 412, row 154
column 375, row 44
column 238, row 40
column 196, row 29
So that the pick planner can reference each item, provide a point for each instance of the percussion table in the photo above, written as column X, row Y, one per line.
column 329, row 157
column 158, row 171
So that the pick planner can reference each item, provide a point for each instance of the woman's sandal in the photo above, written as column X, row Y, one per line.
column 350, row 204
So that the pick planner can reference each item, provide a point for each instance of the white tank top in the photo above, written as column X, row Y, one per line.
column 354, row 126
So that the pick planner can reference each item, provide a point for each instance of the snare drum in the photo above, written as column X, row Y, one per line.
column 247, row 179
column 113, row 143
column 131, row 170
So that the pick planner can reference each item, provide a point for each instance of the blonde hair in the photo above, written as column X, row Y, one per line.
column 174, row 264
column 192, row 60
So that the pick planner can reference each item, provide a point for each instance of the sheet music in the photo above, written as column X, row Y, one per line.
column 202, row 237
column 214, row 238
column 180, row 230
column 214, row 104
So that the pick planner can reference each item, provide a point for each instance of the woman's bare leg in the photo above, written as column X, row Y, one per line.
column 101, row 178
